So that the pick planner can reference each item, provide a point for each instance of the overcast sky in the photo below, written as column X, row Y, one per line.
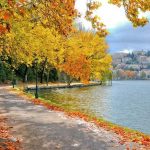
column 122, row 35
column 126, row 37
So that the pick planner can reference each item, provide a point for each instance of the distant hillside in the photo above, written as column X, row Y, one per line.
column 135, row 65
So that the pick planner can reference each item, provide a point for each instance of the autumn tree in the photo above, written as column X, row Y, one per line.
column 5, row 15
column 26, row 42
column 55, row 15
column 61, row 13
column 9, row 10
column 76, row 67
column 17, row 50
column 58, row 14
column 44, row 29
column 142, row 75
column 130, row 74
column 47, row 46
column 86, row 56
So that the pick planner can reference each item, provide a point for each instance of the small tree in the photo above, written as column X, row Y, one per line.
column 143, row 75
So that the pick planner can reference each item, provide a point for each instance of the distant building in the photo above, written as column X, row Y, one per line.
column 139, row 52
column 143, row 60
column 126, row 59
column 134, row 67
column 120, row 66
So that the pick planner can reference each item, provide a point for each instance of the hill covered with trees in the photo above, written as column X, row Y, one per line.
column 135, row 65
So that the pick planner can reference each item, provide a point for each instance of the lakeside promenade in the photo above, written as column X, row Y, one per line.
column 42, row 129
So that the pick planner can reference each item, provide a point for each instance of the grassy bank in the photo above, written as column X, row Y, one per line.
column 126, row 134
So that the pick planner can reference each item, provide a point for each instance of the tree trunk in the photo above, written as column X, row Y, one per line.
column 47, row 77
column 25, row 78
column 2, row 72
column 13, row 79
column 68, row 83
column 43, row 70
column 69, row 80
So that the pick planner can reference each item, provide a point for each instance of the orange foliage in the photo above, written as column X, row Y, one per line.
column 78, row 67
column 11, row 3
column 85, row 56
column 6, row 16
column 56, row 13
column 5, row 136
column 52, row 107
column 130, row 74
column 2, row 29
column 127, row 74
column 6, row 13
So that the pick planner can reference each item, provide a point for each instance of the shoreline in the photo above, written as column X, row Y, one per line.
column 63, row 86
column 125, row 134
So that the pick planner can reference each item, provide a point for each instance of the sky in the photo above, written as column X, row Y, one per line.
column 122, row 37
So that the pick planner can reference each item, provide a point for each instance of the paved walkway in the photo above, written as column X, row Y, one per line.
column 42, row 129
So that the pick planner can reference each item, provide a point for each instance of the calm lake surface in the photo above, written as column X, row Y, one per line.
column 126, row 103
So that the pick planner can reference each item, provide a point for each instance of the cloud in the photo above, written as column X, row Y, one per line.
column 127, row 37
column 110, row 15
column 122, row 35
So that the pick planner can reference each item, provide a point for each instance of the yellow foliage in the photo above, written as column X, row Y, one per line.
column 86, row 56
column 25, row 43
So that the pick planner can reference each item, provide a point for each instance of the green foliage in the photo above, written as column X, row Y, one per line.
column 143, row 75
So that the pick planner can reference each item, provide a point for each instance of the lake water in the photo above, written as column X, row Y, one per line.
column 126, row 103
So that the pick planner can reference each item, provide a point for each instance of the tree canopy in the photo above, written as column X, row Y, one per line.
column 44, row 30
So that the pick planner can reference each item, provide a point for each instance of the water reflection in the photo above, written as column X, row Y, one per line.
column 126, row 102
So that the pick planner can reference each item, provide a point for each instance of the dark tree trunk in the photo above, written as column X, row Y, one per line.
column 25, row 78
column 69, row 79
column 43, row 70
column 2, row 72
column 47, row 78
column 68, row 83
